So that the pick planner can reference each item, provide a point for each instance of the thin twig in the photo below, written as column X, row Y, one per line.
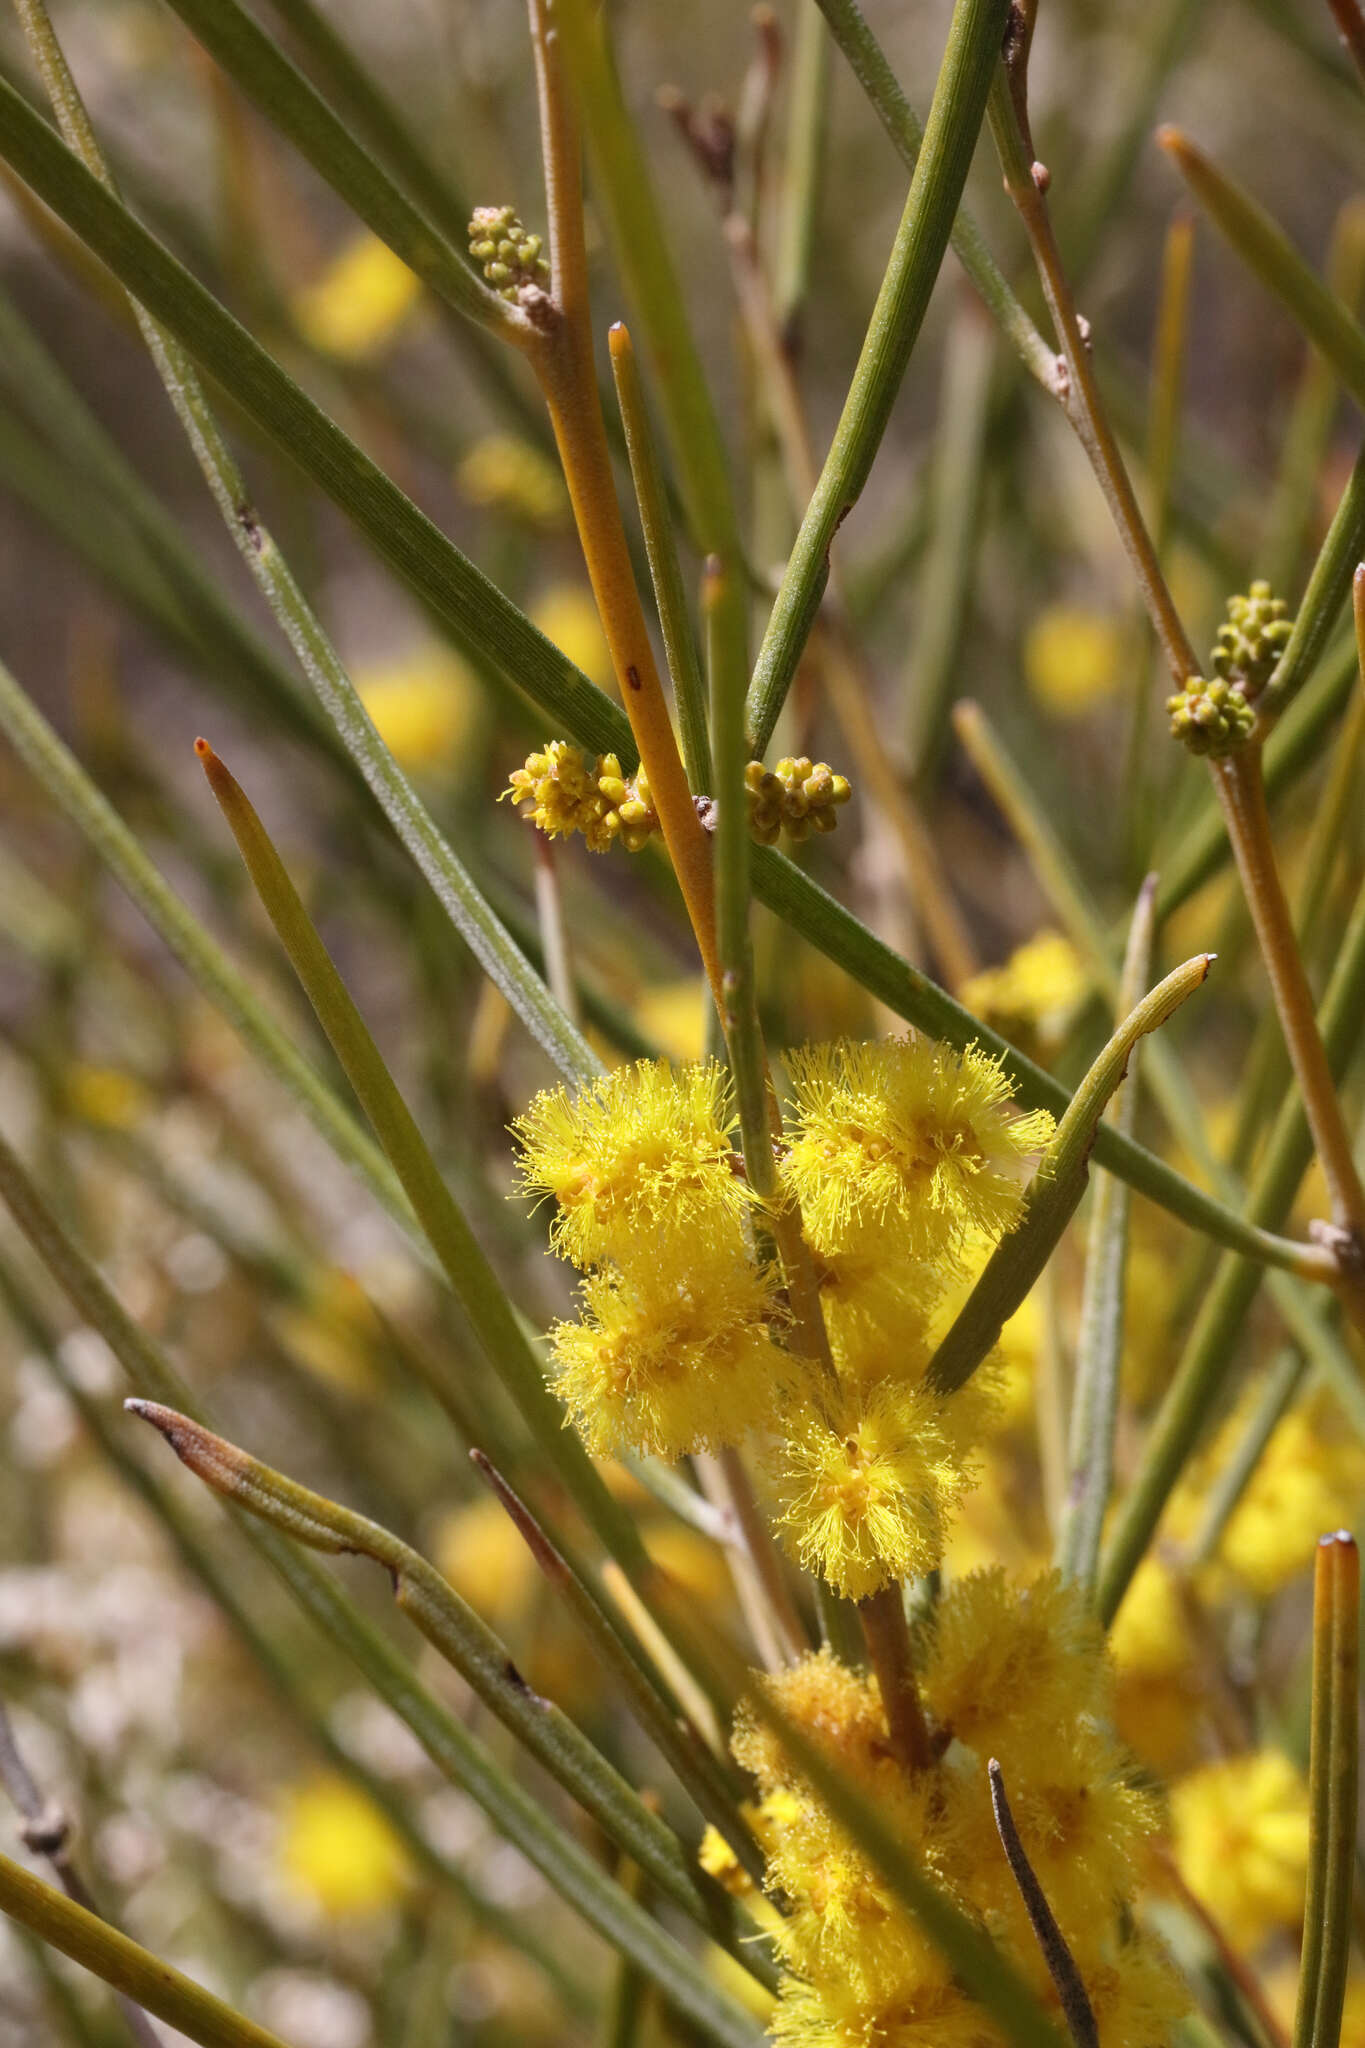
column 1061, row 1964
column 888, row 1645
column 45, row 1829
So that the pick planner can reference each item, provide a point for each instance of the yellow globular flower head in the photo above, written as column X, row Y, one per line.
column 907, row 1131
column 847, row 1924
column 645, row 1145
column 509, row 475
column 1003, row 1665
column 866, row 1481
column 423, row 705
column 1241, row 1841
column 1073, row 659
column 358, row 304
column 336, row 1848
column 877, row 1304
column 1082, row 1813
column 674, row 1354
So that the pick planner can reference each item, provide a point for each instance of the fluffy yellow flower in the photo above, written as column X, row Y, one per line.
column 674, row 1354
column 1004, row 1666
column 423, row 705
column 359, row 303
column 336, row 1847
column 646, row 1145
column 1241, row 1841
column 909, row 1132
column 509, row 475
column 1082, row 1814
column 877, row 1302
column 865, row 1492
column 1072, row 659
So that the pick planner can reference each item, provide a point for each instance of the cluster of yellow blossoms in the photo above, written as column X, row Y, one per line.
column 566, row 795
column 1010, row 1672
column 906, row 1160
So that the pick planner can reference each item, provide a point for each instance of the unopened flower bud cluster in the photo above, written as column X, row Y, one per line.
column 511, row 257
column 1216, row 715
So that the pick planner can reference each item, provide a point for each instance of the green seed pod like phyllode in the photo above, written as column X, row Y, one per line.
column 511, row 257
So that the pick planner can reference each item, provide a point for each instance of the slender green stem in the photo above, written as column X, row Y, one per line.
column 1055, row 1190
column 1211, row 1347
column 255, row 63
column 131, row 1970
column 496, row 635
column 456, row 1631
column 665, row 570
column 944, row 583
column 1323, row 597
column 203, row 960
column 500, row 958
column 463, row 1760
column 641, row 247
column 807, row 119
column 663, row 1717
column 935, row 189
column 373, row 114
column 1292, row 511
column 1099, row 1343
column 195, row 607
column 1067, row 1981
column 1263, row 244
column 1333, row 1791
column 462, row 1258
column 868, row 63
column 219, row 1581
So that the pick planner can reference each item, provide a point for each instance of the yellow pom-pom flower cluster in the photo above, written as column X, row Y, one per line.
column 905, row 1158
column 568, row 796
column 1014, row 1672
column 674, row 1351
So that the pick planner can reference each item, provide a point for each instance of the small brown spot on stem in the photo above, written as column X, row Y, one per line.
column 633, row 676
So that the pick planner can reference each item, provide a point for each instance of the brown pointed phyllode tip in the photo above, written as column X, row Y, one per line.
column 1172, row 139
column 618, row 339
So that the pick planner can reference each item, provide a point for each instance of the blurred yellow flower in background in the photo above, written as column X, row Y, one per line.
column 506, row 474
column 478, row 1549
column 672, row 1013
column 1310, row 1478
column 1241, row 1841
column 424, row 704
column 566, row 614
column 1032, row 997
column 336, row 1847
column 106, row 1095
column 1072, row 659
column 360, row 301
